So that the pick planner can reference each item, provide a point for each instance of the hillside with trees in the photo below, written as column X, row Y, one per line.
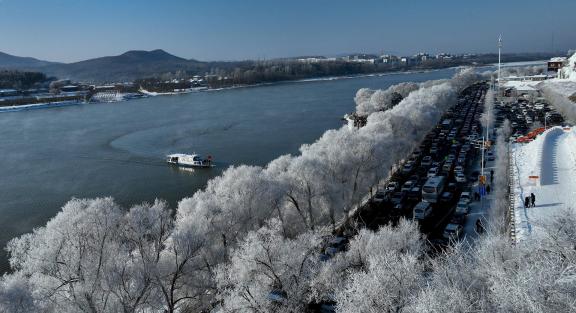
column 21, row 80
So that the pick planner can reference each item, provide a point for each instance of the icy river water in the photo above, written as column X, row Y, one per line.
column 118, row 149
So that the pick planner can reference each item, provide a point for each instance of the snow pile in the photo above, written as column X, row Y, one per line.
column 545, row 167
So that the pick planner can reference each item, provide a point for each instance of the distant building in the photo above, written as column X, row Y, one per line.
column 422, row 57
column 389, row 59
column 316, row 60
column 555, row 64
column 407, row 60
column 444, row 56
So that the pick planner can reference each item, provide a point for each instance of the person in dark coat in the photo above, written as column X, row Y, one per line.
column 533, row 198
column 491, row 176
column 488, row 189
column 527, row 202
column 479, row 226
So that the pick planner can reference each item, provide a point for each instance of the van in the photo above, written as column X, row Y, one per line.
column 422, row 210
column 433, row 188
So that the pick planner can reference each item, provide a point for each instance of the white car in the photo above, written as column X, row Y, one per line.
column 462, row 207
column 392, row 186
column 460, row 178
column 432, row 172
column 426, row 161
column 407, row 186
column 408, row 168
column 459, row 169
column 465, row 197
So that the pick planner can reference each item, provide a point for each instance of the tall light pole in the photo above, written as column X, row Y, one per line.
column 499, row 59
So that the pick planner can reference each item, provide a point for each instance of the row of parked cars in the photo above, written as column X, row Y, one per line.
column 433, row 177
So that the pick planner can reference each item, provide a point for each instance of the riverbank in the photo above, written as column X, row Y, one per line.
column 142, row 93
column 36, row 106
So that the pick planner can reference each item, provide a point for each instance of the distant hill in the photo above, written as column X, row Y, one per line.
column 125, row 67
column 8, row 61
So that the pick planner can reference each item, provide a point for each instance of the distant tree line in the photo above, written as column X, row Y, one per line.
column 20, row 80
column 161, row 85
column 227, row 74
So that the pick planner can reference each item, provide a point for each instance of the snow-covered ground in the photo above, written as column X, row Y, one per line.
column 547, row 168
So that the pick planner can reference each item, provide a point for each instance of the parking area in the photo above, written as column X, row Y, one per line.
column 526, row 114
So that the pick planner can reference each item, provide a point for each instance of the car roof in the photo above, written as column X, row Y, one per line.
column 452, row 226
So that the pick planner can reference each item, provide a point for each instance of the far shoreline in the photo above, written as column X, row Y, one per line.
column 148, row 94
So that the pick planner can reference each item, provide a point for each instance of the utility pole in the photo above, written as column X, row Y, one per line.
column 499, row 59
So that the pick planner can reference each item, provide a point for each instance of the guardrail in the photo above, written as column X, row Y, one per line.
column 511, row 214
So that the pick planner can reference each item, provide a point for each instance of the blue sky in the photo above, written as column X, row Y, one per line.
column 72, row 30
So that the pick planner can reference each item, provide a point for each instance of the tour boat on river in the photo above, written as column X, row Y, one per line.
column 189, row 160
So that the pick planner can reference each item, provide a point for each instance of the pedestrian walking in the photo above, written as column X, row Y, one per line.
column 479, row 226
column 491, row 176
column 488, row 189
column 476, row 196
column 533, row 198
column 527, row 202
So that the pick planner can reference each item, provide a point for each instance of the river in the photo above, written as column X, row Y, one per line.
column 117, row 149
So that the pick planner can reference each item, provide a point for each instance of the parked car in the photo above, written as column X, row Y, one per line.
column 422, row 210
column 460, row 177
column 380, row 197
column 461, row 160
column 446, row 197
column 426, row 161
column 432, row 172
column 407, row 186
column 465, row 196
column 447, row 167
column 462, row 208
column 415, row 194
column 392, row 186
column 452, row 231
column 398, row 197
column 408, row 168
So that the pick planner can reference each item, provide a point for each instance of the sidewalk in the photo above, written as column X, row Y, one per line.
column 479, row 209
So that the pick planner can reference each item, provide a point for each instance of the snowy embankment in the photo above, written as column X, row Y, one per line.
column 25, row 107
column 545, row 167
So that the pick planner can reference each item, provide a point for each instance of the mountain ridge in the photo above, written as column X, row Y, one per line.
column 127, row 66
